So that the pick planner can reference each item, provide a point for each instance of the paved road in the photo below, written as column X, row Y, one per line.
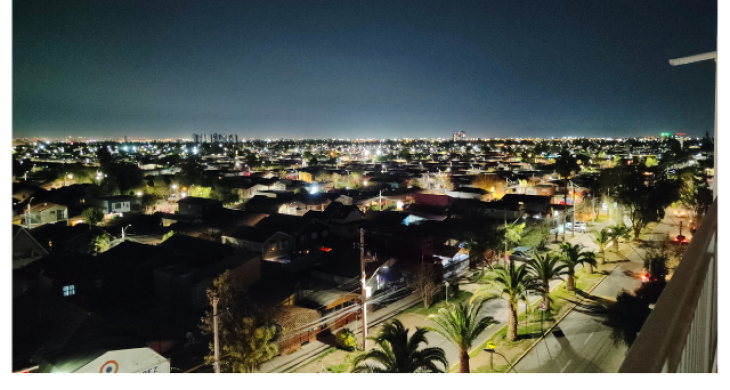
column 580, row 343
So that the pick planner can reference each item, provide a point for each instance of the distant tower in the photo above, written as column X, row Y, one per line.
column 126, row 141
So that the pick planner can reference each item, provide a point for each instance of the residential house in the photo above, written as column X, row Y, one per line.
column 329, row 301
column 41, row 214
column 270, row 244
column 199, row 207
column 118, row 204
column 268, row 205
column 533, row 203
column 307, row 233
column 26, row 248
column 298, row 326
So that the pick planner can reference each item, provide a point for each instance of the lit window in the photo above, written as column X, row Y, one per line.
column 69, row 290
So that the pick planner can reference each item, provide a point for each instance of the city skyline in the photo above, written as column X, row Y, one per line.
column 405, row 70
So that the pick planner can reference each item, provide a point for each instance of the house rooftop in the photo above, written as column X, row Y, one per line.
column 250, row 233
column 199, row 201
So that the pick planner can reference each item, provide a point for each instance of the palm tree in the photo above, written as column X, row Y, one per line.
column 461, row 327
column 545, row 268
column 617, row 232
column 510, row 284
column 506, row 237
column 398, row 353
column 572, row 256
column 601, row 239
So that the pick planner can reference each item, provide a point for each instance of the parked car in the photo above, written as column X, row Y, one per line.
column 580, row 227
column 521, row 253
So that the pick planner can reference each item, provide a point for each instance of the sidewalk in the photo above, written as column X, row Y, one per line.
column 305, row 354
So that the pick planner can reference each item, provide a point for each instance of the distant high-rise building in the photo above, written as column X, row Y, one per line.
column 459, row 135
column 196, row 138
column 126, row 141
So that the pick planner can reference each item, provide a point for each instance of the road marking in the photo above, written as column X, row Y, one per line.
column 589, row 337
column 566, row 365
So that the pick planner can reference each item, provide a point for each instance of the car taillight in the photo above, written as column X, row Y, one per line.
column 676, row 239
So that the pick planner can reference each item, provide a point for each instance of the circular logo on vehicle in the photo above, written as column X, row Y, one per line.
column 109, row 367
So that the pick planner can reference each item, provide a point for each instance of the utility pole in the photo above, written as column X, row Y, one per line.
column 565, row 202
column 593, row 209
column 363, row 291
column 216, row 362
column 506, row 255
column 573, row 225
column 27, row 215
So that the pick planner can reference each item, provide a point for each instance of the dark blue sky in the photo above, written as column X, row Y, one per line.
column 347, row 69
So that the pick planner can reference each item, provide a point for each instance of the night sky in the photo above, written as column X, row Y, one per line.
column 346, row 69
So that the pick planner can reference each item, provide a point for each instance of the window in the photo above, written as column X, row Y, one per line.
column 324, row 233
column 314, row 235
column 69, row 290
column 303, row 238
column 99, row 283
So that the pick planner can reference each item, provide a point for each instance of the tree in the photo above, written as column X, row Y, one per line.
column 102, row 242
column 491, row 183
column 566, row 164
column 618, row 232
column 544, row 268
column 572, row 256
column 323, row 176
column 168, row 235
column 397, row 353
column 510, row 235
column 336, row 179
column 148, row 200
column 423, row 283
column 246, row 336
column 510, row 284
column 645, row 202
column 224, row 192
column 191, row 173
column 601, row 239
column 462, row 327
column 93, row 215
column 482, row 241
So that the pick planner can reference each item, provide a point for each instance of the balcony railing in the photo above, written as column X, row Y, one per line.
column 680, row 334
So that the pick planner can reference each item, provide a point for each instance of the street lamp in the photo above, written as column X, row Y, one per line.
column 124, row 229
column 493, row 352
